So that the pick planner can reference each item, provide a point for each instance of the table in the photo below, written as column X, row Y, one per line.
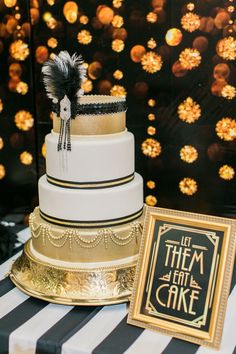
column 31, row 326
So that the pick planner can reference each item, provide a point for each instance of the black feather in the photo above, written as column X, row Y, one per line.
column 64, row 75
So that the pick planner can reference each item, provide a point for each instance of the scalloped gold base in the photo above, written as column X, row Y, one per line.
column 72, row 286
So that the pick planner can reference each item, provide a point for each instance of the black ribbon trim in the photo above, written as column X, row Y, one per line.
column 94, row 108
column 90, row 185
column 91, row 223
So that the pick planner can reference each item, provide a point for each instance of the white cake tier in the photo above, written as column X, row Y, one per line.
column 91, row 205
column 101, row 158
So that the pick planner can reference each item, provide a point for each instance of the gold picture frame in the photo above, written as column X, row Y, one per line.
column 183, row 275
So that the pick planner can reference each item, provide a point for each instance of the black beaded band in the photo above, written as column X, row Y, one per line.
column 96, row 108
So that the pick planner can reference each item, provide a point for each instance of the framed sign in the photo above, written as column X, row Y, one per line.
column 183, row 275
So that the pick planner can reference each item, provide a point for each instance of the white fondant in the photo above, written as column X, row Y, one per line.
column 87, row 265
column 92, row 158
column 91, row 204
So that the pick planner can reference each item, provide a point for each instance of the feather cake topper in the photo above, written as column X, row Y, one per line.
column 63, row 77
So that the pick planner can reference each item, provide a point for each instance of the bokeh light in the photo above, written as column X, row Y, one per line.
column 2, row 171
column 118, row 90
column 151, row 147
column 188, row 154
column 228, row 92
column 226, row 172
column 151, row 184
column 1, row 105
column 151, row 62
column 137, row 52
column 151, row 43
column 84, row 37
column 190, row 58
column 188, row 186
column 118, row 74
column 173, row 37
column 151, row 200
column 190, row 22
column 151, row 130
column 226, row 48
column 118, row 45
column 26, row 158
column 226, row 129
column 70, row 11
column 189, row 111
column 19, row 50
column 22, row 88
column 24, row 120
column 105, row 14
column 1, row 143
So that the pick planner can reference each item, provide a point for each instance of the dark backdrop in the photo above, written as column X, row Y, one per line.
column 55, row 25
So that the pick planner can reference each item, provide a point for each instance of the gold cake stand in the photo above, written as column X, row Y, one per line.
column 72, row 286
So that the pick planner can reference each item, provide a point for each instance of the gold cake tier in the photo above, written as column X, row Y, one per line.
column 99, row 121
column 82, row 245
column 72, row 286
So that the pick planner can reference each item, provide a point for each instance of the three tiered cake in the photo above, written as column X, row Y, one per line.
column 86, row 230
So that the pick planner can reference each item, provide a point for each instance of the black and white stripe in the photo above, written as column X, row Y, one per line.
column 32, row 326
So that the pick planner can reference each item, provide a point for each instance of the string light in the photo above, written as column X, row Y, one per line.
column 189, row 111
column 226, row 172
column 188, row 186
column 151, row 147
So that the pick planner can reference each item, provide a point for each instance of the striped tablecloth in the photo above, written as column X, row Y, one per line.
column 28, row 326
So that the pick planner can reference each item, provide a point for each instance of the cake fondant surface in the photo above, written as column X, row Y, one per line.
column 92, row 159
column 91, row 205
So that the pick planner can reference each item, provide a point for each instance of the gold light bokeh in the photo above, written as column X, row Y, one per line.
column 188, row 186
column 87, row 86
column 188, row 154
column 151, row 43
column 19, row 50
column 118, row 74
column 94, row 70
column 151, row 130
column 70, row 11
column 151, row 147
column 52, row 42
column 190, row 58
column 137, row 53
column 24, row 120
column 22, row 88
column 10, row 3
column 226, row 48
column 151, row 200
column 1, row 143
column 226, row 129
column 41, row 54
column 151, row 62
column 151, row 17
column 226, row 172
column 173, row 37
column 105, row 14
column 189, row 111
column 26, row 158
column 1, row 105
column 117, row 21
column 84, row 37
column 84, row 19
column 151, row 184
column 151, row 116
column 190, row 22
column 228, row 92
column 118, row 90
column 151, row 102
column 118, row 45
column 43, row 150
column 2, row 171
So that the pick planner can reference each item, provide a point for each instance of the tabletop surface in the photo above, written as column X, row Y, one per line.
column 31, row 326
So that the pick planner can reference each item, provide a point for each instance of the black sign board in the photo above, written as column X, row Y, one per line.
column 183, row 275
